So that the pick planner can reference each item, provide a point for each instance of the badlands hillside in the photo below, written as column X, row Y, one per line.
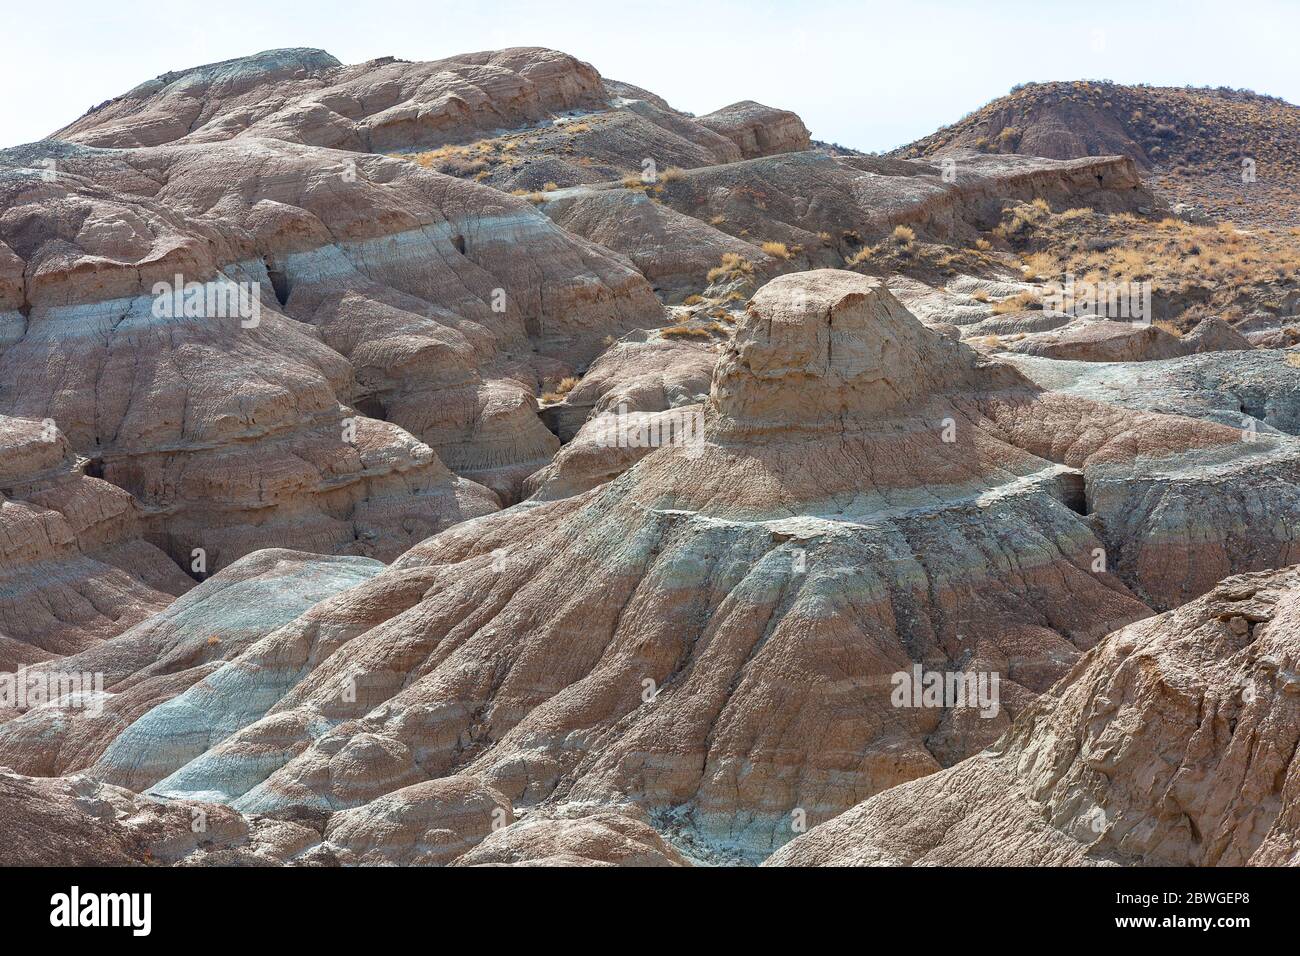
column 1233, row 154
column 482, row 462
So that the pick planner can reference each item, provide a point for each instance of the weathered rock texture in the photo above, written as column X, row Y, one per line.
column 307, row 96
column 382, row 287
column 713, row 633
column 759, row 130
column 690, row 637
column 74, row 569
column 820, row 208
column 1173, row 742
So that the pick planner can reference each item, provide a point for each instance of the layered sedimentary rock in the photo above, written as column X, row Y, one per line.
column 793, row 198
column 668, row 609
column 640, row 373
column 1100, row 340
column 870, row 497
column 307, row 96
column 1246, row 390
column 576, row 836
column 1172, row 742
column 163, row 655
column 556, row 116
column 808, row 209
column 79, row 821
column 759, row 130
column 376, row 285
column 735, row 534
column 673, row 250
column 74, row 569
column 1180, row 136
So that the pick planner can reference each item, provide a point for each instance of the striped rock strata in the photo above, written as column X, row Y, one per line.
column 384, row 291
column 638, row 641
column 1173, row 743
column 74, row 569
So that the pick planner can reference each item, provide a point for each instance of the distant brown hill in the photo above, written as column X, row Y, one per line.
column 1193, row 144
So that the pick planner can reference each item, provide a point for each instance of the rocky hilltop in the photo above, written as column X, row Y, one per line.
column 1232, row 153
column 483, row 462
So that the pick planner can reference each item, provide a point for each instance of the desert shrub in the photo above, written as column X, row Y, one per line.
column 862, row 255
column 732, row 266
column 563, row 387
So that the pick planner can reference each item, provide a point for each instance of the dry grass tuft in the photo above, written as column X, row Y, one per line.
column 732, row 266
column 563, row 387
column 862, row 255
column 685, row 332
column 1020, row 302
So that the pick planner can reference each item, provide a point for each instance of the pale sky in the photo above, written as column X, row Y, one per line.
column 871, row 75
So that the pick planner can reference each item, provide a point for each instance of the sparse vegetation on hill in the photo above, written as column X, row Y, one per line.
column 1197, row 145
column 1195, row 270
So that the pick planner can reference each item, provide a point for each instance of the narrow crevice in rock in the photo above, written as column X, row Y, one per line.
column 279, row 282
column 1073, row 492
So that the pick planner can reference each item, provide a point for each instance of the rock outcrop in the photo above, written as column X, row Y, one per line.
column 74, row 568
column 413, row 296
column 630, row 642
column 379, row 106
column 1171, row 743
column 1192, row 144
column 481, row 462
column 1100, row 340
column 759, row 130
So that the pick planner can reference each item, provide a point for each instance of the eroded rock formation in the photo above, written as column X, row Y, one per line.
column 1171, row 743
column 595, row 524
